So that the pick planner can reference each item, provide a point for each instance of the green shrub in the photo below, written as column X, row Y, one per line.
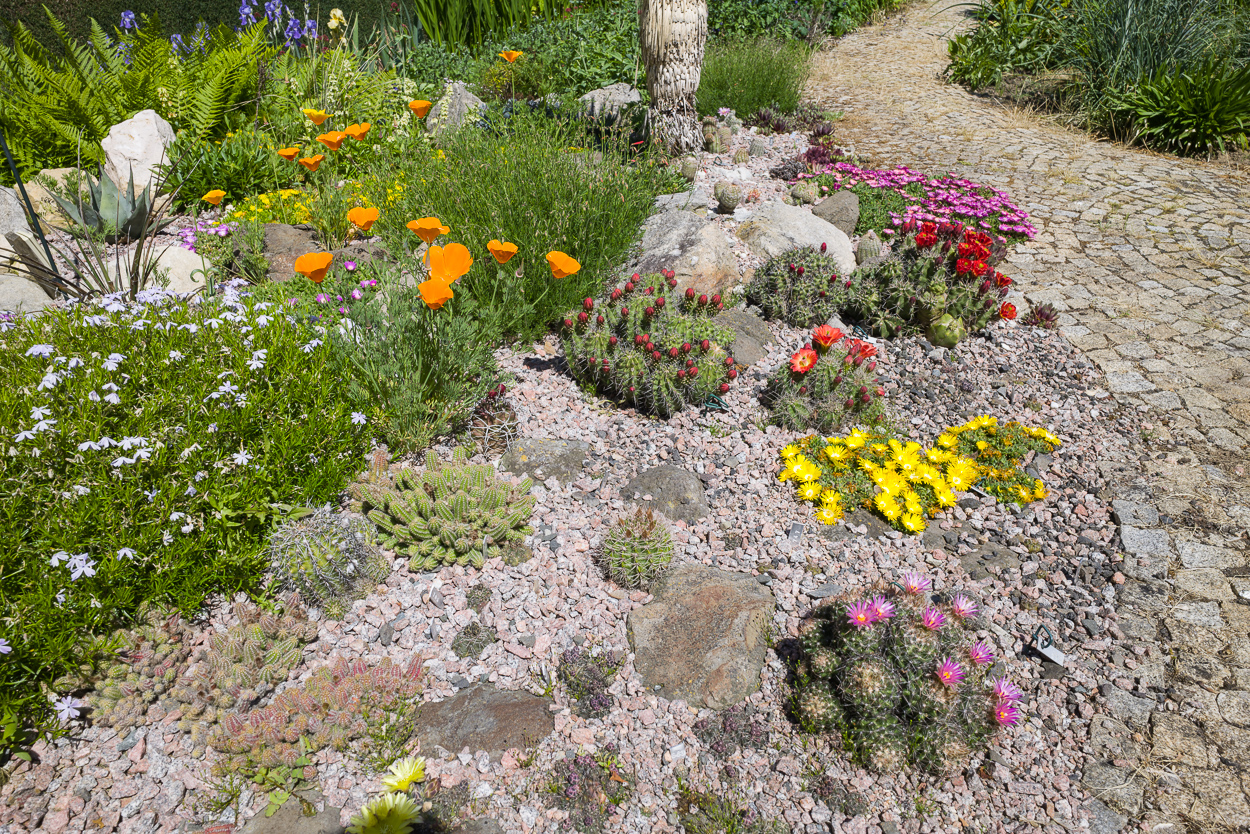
column 808, row 20
column 457, row 23
column 1198, row 111
column 1012, row 36
column 156, row 444
column 747, row 75
column 242, row 164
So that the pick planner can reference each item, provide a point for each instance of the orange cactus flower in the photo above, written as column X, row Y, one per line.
column 802, row 361
column 363, row 218
column 503, row 252
column 450, row 262
column 289, row 154
column 312, row 163
column 359, row 131
column 313, row 265
column 428, row 228
column 420, row 107
column 562, row 266
column 333, row 139
column 213, row 198
column 435, row 293
column 511, row 55
column 316, row 116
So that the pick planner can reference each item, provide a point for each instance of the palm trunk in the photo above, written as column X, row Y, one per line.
column 673, row 34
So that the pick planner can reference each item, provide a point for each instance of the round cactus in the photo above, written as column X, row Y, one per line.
column 800, row 287
column 741, row 156
column 804, row 193
column 818, row 708
column 728, row 196
column 758, row 146
column 870, row 686
column 637, row 550
column 330, row 559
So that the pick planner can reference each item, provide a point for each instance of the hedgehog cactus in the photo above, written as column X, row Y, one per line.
column 328, row 558
column 637, row 550
column 650, row 346
column 869, row 247
column 800, row 287
column 728, row 196
column 149, row 662
column 451, row 514
column 829, row 379
column 494, row 423
column 689, row 168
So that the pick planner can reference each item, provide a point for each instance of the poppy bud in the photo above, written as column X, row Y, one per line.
column 568, row 322
column 693, row 372
column 703, row 299
column 599, row 320
column 732, row 374
column 690, row 293
column 705, row 344
column 629, row 286
column 802, row 389
column 588, row 303
column 655, row 354
column 583, row 317
column 686, row 347
column 716, row 299
column 800, row 270
column 673, row 352
column 724, row 387
column 824, row 247
column 681, row 374
column 612, row 341
column 650, row 311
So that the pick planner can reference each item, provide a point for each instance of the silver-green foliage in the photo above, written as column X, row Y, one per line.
column 452, row 513
column 330, row 559
column 638, row 550
column 110, row 210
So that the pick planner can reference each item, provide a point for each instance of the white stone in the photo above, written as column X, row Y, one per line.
column 776, row 228
column 138, row 144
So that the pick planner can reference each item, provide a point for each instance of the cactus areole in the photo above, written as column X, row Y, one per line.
column 672, row 35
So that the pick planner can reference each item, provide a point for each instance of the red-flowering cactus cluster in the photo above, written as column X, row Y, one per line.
column 830, row 378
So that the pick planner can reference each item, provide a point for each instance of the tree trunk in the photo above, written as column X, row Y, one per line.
column 673, row 34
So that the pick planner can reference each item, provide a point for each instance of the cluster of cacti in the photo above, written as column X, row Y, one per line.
column 587, row 677
column 939, row 280
column 801, row 287
column 1044, row 316
column 472, row 640
column 329, row 559
column 804, row 193
column 828, row 380
column 494, row 424
column 637, row 550
column 728, row 196
column 148, row 663
column 452, row 513
column 717, row 136
column 651, row 347
column 240, row 666
column 900, row 679
column 724, row 732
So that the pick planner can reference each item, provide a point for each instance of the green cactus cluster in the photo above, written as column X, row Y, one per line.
column 452, row 513
column 651, row 347
column 801, row 287
column 899, row 679
column 831, row 379
column 328, row 558
column 637, row 550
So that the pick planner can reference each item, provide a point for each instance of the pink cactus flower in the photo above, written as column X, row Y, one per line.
column 950, row 672
column 980, row 653
column 882, row 608
column 962, row 607
column 860, row 615
column 915, row 583
column 1006, row 714
column 932, row 618
column 1006, row 691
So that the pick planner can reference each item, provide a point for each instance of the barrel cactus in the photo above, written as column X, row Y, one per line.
column 637, row 550
column 689, row 168
column 741, row 156
column 452, row 513
column 869, row 247
column 728, row 196
column 801, row 287
column 804, row 193
column 330, row 559
column 758, row 146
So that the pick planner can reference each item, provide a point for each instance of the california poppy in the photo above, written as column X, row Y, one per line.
column 435, row 293
column 363, row 218
column 314, row 265
column 428, row 228
column 214, row 197
column 562, row 266
column 316, row 116
column 450, row 262
column 312, row 162
column 419, row 107
column 289, row 154
column 511, row 55
column 333, row 139
column 503, row 252
column 359, row 131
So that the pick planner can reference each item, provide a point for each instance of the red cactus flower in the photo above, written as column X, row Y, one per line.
column 612, row 341
column 690, row 293
column 1001, row 280
column 924, row 240
column 583, row 317
column 802, row 361
column 824, row 336
column 963, row 266
column 824, row 247
column 1007, row 311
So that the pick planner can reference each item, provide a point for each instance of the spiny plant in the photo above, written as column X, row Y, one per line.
column 452, row 513
column 830, row 379
column 741, row 725
column 109, row 209
column 637, row 550
column 589, row 786
column 330, row 559
column 1044, row 316
column 900, row 679
column 651, row 347
column 494, row 423
column 801, row 287
column 703, row 812
column 472, row 640
column 939, row 280
column 587, row 677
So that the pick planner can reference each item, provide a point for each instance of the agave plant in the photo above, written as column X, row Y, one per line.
column 113, row 212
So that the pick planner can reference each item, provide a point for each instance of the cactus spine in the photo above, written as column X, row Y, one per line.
column 331, row 560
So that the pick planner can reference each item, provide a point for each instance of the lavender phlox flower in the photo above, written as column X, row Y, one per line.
column 212, row 428
column 119, row 462
column 241, row 458
column 74, row 362
column 50, row 381
column 59, row 557
column 257, row 361
column 191, row 491
column 311, row 346
column 5, row 648
column 42, row 351
column 129, row 443
column 24, row 435
column 79, row 489
column 114, row 359
column 43, row 425
column 67, row 707
column 263, row 321
column 39, row 412
column 358, row 418
column 175, row 356
column 151, row 495
column 167, row 538
column 60, row 596
column 213, row 323
column 80, row 565
column 126, row 553
column 177, row 516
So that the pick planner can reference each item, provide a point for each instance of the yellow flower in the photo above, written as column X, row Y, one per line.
column 811, row 472
column 913, row 522
column 337, row 19
column 947, row 440
column 887, row 506
column 404, row 773
column 1024, row 494
column 946, row 498
column 879, row 448
column 962, row 474
column 1039, row 493
column 855, row 441
column 390, row 812
column 809, row 491
column 789, row 451
column 828, row 515
column 890, row 483
column 835, row 453
column 831, row 497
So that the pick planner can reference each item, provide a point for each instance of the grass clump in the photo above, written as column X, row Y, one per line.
column 748, row 75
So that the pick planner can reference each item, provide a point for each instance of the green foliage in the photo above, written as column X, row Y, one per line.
column 587, row 675
column 1013, row 36
column 456, row 23
column 747, row 75
column 242, row 164
column 178, row 431
column 703, row 812
column 111, row 210
column 809, row 20
column 240, row 254
column 340, row 82
column 452, row 513
column 637, row 550
column 328, row 558
column 57, row 102
column 650, row 347
column 589, row 787
column 801, row 287
column 840, row 386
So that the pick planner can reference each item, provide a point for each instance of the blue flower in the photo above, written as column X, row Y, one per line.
column 5, row 648
column 293, row 30
column 246, row 17
column 176, row 42
column 128, row 20
column 310, row 28
column 273, row 9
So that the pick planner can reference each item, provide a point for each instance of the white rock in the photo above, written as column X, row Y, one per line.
column 776, row 228
column 138, row 144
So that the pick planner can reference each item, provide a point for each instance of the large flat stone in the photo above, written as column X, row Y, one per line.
column 290, row 819
column 776, row 228
column 21, row 295
column 751, row 334
column 675, row 492
column 485, row 718
column 1177, row 739
column 12, row 213
column 701, row 639
column 541, row 458
column 695, row 249
column 1115, row 786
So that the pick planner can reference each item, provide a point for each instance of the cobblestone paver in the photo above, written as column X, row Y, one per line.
column 1148, row 259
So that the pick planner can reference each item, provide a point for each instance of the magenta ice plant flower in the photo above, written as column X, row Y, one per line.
column 1006, row 714
column 322, row 298
column 915, row 583
column 1006, row 691
column 980, row 653
column 860, row 615
column 350, row 266
column 962, row 607
column 882, row 608
column 950, row 672
column 932, row 618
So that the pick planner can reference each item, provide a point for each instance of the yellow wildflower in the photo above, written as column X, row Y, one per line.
column 830, row 497
column 809, row 491
column 789, row 451
column 828, row 515
column 887, row 506
column 947, row 440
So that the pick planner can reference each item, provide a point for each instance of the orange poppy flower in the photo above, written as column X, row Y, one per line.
column 450, row 262
column 359, row 131
column 312, row 162
column 428, row 228
column 213, row 198
column 316, row 116
column 435, row 293
column 419, row 107
column 502, row 251
column 313, row 265
column 333, row 139
column 363, row 218
column 289, row 154
column 562, row 266
column 511, row 55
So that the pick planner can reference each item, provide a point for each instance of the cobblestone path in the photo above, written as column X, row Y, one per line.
column 1148, row 259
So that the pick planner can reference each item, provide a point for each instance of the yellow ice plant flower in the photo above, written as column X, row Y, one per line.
column 879, row 448
column 890, row 483
column 809, row 491
column 836, row 453
column 962, row 474
column 855, row 440
column 946, row 498
column 811, row 472
column 913, row 522
column 404, row 773
column 887, row 506
column 1024, row 494
column 789, row 452
column 390, row 813
column 947, row 441
column 830, row 497
column 828, row 515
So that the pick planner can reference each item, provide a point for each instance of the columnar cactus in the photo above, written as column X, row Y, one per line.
column 801, row 287
column 452, row 513
column 330, row 559
column 650, row 346
column 832, row 377
column 637, row 550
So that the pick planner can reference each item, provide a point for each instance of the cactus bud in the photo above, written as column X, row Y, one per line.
column 724, row 387
column 659, row 302
column 673, row 352
column 693, row 372
column 858, row 360
column 631, row 389
column 821, row 294
column 837, row 380
column 985, row 287
column 588, row 304
column 686, row 347
column 583, row 317
column 863, row 389
column 848, row 284
column 800, row 270
column 634, row 277
column 599, row 319
column 690, row 293
column 872, row 366
column 792, row 267
column 655, row 354
column 716, row 299
column 802, row 389
column 616, row 293
column 650, row 311
column 705, row 344
column 880, row 392
column 612, row 341
column 640, row 339
column 729, row 360
column 672, row 282
column 689, row 363
column 624, row 311
column 732, row 374
column 849, row 403
column 568, row 322
column 703, row 299
column 629, row 286
column 681, row 374
column 866, row 397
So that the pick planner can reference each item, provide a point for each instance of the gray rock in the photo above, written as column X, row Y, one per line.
column 542, row 459
column 608, row 101
column 482, row 826
column 841, row 208
column 1235, row 707
column 1102, row 820
column 776, row 228
column 1149, row 545
column 12, row 213
column 702, row 638
column 482, row 717
column 1133, row 711
column 290, row 819
column 137, row 145
column 19, row 294
column 988, row 559
column 751, row 335
column 456, row 107
column 693, row 200
column 283, row 244
column 1135, row 513
column 874, row 526
column 676, row 493
column 187, row 272
column 694, row 248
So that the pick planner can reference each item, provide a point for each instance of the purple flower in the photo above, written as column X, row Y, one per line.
column 128, row 20
column 5, row 648
column 310, row 29
column 1006, row 691
column 357, row 295
column 293, row 31
column 915, row 583
column 1006, row 714
column 882, row 608
column 962, row 607
column 67, row 708
column 950, row 672
column 860, row 615
column 980, row 653
column 176, row 42
column 343, row 310
column 322, row 298
column 932, row 618
column 350, row 266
